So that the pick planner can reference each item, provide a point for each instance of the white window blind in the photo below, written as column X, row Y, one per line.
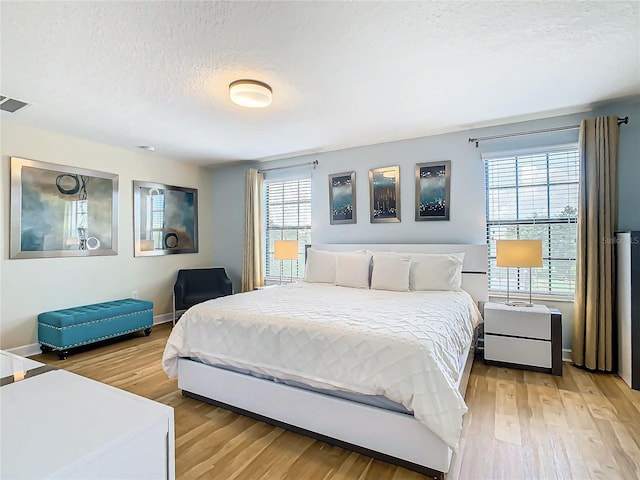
column 534, row 196
column 155, row 218
column 287, row 217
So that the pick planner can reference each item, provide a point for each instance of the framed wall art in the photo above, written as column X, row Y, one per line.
column 165, row 219
column 60, row 211
column 342, row 198
column 432, row 190
column 384, row 193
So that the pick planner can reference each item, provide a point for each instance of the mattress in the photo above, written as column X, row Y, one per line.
column 377, row 401
column 404, row 346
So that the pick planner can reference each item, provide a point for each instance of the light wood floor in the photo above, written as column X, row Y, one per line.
column 520, row 425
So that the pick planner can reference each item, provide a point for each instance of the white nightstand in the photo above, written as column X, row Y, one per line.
column 523, row 337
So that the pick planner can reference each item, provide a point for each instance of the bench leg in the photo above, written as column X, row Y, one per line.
column 147, row 331
column 45, row 349
column 62, row 354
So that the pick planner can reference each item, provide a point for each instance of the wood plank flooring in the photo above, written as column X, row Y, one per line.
column 520, row 425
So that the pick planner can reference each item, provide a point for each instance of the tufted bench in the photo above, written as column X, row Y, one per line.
column 63, row 329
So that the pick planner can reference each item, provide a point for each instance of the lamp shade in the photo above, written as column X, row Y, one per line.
column 285, row 249
column 250, row 93
column 519, row 253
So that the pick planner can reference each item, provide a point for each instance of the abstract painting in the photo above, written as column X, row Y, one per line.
column 384, row 193
column 60, row 211
column 342, row 198
column 432, row 190
column 165, row 219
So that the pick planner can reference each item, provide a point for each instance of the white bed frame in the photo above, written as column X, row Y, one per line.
column 390, row 436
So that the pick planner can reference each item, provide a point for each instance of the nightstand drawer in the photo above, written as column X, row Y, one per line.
column 521, row 351
column 517, row 322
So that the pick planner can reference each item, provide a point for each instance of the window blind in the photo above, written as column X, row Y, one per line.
column 534, row 196
column 287, row 217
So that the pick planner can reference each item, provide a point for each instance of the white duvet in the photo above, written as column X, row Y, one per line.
column 403, row 345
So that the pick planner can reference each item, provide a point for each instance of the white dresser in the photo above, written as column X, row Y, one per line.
column 56, row 424
column 523, row 337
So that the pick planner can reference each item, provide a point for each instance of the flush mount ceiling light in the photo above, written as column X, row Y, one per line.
column 250, row 93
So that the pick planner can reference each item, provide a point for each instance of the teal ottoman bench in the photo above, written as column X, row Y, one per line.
column 61, row 330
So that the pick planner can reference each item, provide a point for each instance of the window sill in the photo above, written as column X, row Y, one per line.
column 542, row 298
column 276, row 281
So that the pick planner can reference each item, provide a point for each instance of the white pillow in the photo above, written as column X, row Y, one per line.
column 390, row 272
column 352, row 270
column 320, row 267
column 436, row 271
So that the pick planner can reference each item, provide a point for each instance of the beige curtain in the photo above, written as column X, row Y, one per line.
column 252, row 270
column 595, row 267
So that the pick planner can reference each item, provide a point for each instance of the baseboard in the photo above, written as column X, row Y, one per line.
column 34, row 348
column 566, row 357
column 26, row 350
column 164, row 318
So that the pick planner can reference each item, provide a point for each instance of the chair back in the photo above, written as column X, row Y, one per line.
column 201, row 279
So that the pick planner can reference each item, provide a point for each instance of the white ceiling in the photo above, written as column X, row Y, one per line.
column 343, row 74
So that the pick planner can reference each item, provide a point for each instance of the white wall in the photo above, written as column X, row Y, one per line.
column 31, row 286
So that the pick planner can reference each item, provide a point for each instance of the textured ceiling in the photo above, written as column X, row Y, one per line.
column 343, row 74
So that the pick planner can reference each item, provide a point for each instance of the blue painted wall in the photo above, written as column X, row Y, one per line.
column 628, row 166
column 467, row 223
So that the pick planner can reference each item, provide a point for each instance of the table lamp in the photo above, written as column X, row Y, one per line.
column 285, row 250
column 519, row 254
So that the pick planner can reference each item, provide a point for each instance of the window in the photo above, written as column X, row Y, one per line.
column 155, row 217
column 287, row 217
column 534, row 196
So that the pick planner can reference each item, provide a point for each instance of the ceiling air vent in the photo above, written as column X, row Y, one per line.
column 11, row 105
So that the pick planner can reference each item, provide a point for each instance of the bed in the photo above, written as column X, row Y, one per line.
column 374, row 370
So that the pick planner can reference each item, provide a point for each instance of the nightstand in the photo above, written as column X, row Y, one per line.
column 523, row 337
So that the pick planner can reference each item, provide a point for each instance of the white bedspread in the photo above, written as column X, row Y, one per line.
column 403, row 345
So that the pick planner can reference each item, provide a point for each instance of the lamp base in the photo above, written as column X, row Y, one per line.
column 519, row 304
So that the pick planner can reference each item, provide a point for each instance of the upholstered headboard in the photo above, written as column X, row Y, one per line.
column 474, row 268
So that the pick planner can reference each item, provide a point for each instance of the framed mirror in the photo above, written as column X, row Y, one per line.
column 165, row 219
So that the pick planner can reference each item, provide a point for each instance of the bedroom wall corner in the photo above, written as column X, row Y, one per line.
column 31, row 286
column 227, row 190
column 628, row 165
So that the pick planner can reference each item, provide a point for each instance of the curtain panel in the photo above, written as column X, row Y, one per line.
column 252, row 253
column 593, row 324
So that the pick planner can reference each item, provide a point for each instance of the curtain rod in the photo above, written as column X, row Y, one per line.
column 314, row 163
column 624, row 121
